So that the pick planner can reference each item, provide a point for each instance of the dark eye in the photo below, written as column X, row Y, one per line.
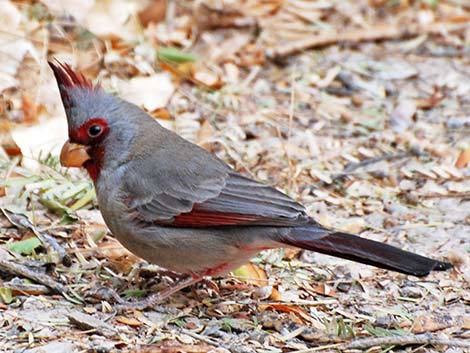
column 94, row 130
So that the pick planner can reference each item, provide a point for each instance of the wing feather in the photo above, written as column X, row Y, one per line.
column 208, row 196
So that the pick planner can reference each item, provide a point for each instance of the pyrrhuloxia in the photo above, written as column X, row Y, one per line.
column 176, row 205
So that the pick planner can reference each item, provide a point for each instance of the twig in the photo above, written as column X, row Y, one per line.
column 459, row 195
column 23, row 271
column 353, row 166
column 17, row 285
column 379, row 32
column 425, row 339
column 320, row 348
column 49, row 241
column 205, row 339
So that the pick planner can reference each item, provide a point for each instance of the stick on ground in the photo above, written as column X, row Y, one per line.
column 423, row 339
column 378, row 32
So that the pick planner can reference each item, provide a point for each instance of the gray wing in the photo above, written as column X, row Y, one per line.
column 201, row 191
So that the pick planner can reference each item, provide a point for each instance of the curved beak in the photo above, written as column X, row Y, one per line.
column 73, row 155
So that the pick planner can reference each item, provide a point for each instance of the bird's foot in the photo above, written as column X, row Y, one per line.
column 154, row 299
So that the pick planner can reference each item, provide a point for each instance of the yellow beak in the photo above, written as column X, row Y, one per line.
column 73, row 155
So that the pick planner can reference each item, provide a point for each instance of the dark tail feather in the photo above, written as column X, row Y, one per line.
column 352, row 247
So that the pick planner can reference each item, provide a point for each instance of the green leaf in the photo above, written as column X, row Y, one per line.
column 133, row 293
column 55, row 206
column 431, row 3
column 89, row 196
column 24, row 247
column 6, row 295
column 172, row 54
column 381, row 332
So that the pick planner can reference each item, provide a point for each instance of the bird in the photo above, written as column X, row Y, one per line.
column 176, row 205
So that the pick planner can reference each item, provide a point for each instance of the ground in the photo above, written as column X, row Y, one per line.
column 359, row 110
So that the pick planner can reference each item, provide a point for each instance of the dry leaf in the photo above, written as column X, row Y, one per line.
column 9, row 145
column 184, row 71
column 152, row 92
column 431, row 323
column 79, row 9
column 251, row 273
column 232, row 73
column 204, row 135
column 466, row 322
column 113, row 250
column 464, row 158
column 299, row 312
column 275, row 295
column 324, row 289
column 161, row 113
column 154, row 12
column 47, row 137
column 30, row 109
column 115, row 19
column 291, row 253
column 430, row 102
column 402, row 117
column 207, row 78
column 128, row 321
column 353, row 225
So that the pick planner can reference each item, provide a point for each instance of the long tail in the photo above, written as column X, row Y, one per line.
column 352, row 247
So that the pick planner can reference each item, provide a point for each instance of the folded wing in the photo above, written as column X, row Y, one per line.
column 212, row 197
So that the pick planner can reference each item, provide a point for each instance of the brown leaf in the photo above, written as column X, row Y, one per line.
column 7, row 142
column 324, row 289
column 184, row 71
column 464, row 158
column 161, row 113
column 154, row 12
column 299, row 312
column 128, row 321
column 275, row 295
column 431, row 323
column 30, row 109
column 430, row 102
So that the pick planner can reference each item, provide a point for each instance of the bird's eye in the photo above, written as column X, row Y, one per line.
column 94, row 130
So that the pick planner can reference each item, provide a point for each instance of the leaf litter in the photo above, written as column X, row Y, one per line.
column 359, row 110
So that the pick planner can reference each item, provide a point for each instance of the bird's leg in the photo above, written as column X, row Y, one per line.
column 153, row 299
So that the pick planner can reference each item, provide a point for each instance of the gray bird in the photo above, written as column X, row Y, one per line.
column 174, row 204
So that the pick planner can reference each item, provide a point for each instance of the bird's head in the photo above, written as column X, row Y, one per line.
column 93, row 118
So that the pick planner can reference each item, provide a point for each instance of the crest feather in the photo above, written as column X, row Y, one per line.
column 66, row 77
